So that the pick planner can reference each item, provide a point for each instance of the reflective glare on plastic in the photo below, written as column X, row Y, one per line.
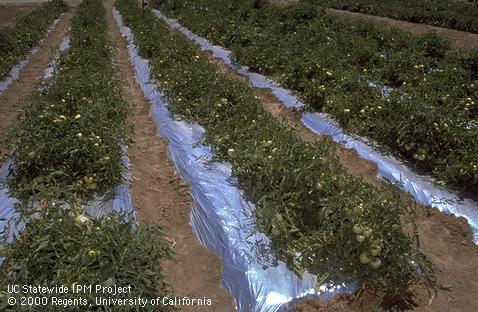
column 7, row 203
column 118, row 200
column 15, row 71
column 8, row 215
column 50, row 70
column 422, row 188
column 221, row 217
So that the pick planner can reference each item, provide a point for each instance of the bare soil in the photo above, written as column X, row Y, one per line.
column 333, row 305
column 19, row 93
column 10, row 13
column 444, row 239
column 159, row 196
column 459, row 39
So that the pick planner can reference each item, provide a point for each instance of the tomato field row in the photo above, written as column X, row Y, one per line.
column 302, row 209
column 425, row 105
column 67, row 145
column 319, row 217
column 461, row 15
column 67, row 149
column 18, row 40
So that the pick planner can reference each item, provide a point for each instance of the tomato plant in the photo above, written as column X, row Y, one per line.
column 67, row 150
column 458, row 15
column 55, row 249
column 319, row 217
column 68, row 144
column 17, row 41
column 430, row 117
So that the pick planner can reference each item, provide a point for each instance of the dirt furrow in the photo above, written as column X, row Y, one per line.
column 10, row 13
column 159, row 196
column 19, row 93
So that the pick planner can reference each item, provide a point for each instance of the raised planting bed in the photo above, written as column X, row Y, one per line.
column 461, row 15
column 424, row 108
column 67, row 151
column 319, row 218
column 17, row 41
column 422, row 188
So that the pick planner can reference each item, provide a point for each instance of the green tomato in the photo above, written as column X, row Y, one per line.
column 375, row 251
column 364, row 258
column 357, row 229
column 375, row 263
column 367, row 232
column 408, row 147
column 275, row 231
column 360, row 238
column 414, row 264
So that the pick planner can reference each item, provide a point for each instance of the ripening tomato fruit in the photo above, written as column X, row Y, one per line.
column 375, row 251
column 364, row 258
column 367, row 232
column 375, row 263
column 357, row 229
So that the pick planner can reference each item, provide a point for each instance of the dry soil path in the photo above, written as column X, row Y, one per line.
column 160, row 197
column 9, row 13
